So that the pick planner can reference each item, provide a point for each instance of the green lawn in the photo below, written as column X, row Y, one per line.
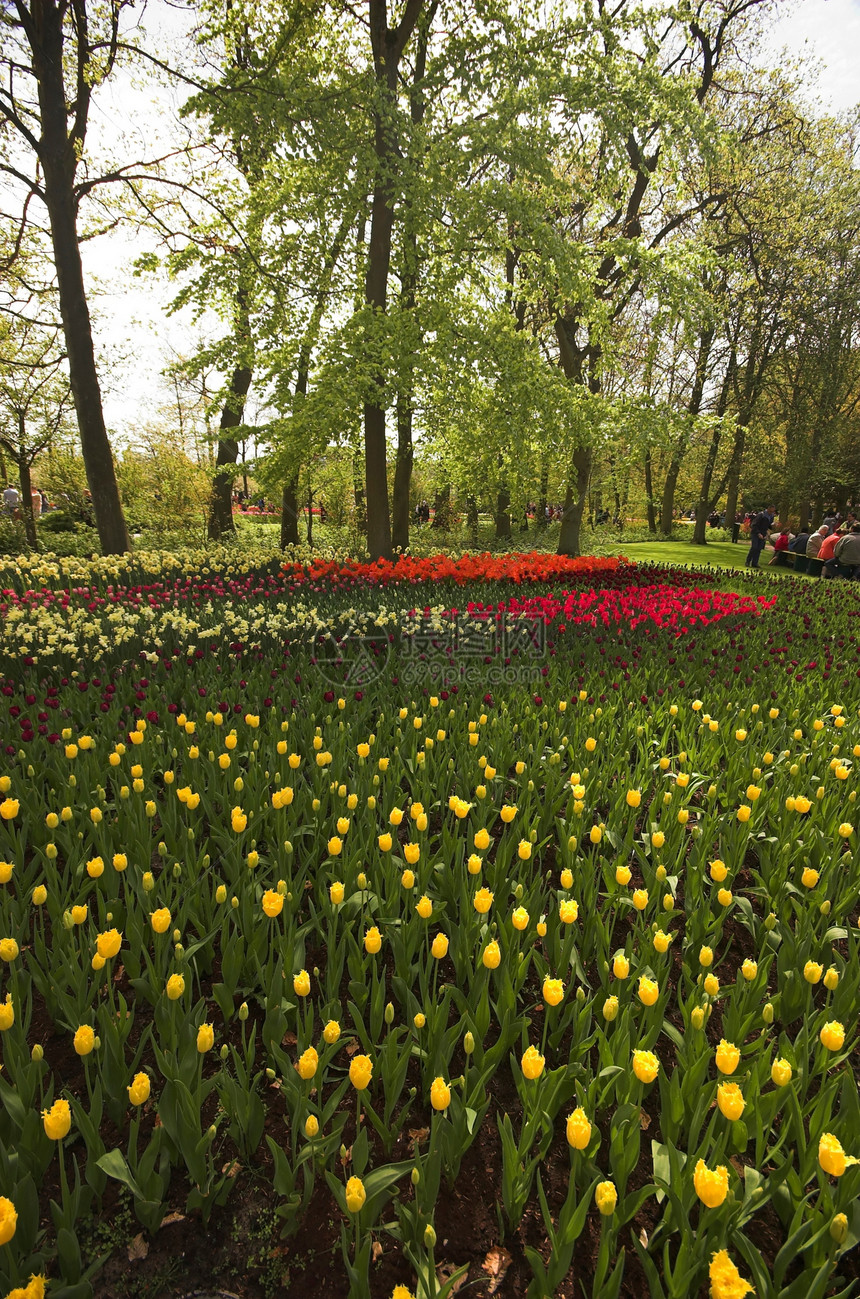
column 716, row 554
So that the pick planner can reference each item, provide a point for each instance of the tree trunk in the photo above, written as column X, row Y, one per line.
column 58, row 159
column 734, row 475
column 402, row 473
column 290, row 513
column 503, row 515
column 573, row 358
column 543, row 498
column 694, row 405
column 706, row 502
column 221, row 502
column 442, row 509
column 388, row 47
column 649, row 494
column 358, row 497
column 400, row 513
column 310, row 515
column 472, row 519
column 27, row 499
column 574, row 505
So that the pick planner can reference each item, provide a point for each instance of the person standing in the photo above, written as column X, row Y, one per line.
column 759, row 529
column 11, row 499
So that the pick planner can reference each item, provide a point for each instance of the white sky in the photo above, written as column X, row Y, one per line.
column 136, row 337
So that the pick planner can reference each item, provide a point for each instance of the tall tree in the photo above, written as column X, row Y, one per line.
column 56, row 52
column 387, row 46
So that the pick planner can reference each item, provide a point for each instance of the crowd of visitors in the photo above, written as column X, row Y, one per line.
column 12, row 502
column 832, row 550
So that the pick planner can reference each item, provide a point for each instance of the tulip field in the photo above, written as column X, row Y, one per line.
column 402, row 931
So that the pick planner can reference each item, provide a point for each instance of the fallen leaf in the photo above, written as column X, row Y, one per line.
column 352, row 1046
column 643, row 1238
column 417, row 1136
column 444, row 1272
column 376, row 1251
column 289, row 1039
column 138, row 1249
column 644, row 1120
column 231, row 1170
column 346, row 1156
column 171, row 1218
column 495, row 1265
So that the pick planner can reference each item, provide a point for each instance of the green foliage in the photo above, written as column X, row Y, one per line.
column 163, row 491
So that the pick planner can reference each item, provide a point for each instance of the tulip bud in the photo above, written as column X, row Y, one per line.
column 243, row 1011
column 429, row 1236
column 389, row 1013
column 148, row 882
column 68, row 922
column 767, row 1013
column 580, row 995
column 176, row 935
column 212, row 1132
column 571, row 843
column 162, row 847
column 770, row 922
column 469, row 1043
column 37, row 1053
column 839, row 1228
column 824, row 909
column 518, row 892
column 415, row 1176
column 179, row 950
column 225, row 1051
column 288, row 848
column 270, row 1074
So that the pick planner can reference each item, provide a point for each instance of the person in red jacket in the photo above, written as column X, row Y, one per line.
column 825, row 554
column 780, row 546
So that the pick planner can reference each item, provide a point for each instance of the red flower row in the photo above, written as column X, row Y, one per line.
column 534, row 567
column 676, row 607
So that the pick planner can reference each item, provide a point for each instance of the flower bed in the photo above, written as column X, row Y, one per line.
column 296, row 926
